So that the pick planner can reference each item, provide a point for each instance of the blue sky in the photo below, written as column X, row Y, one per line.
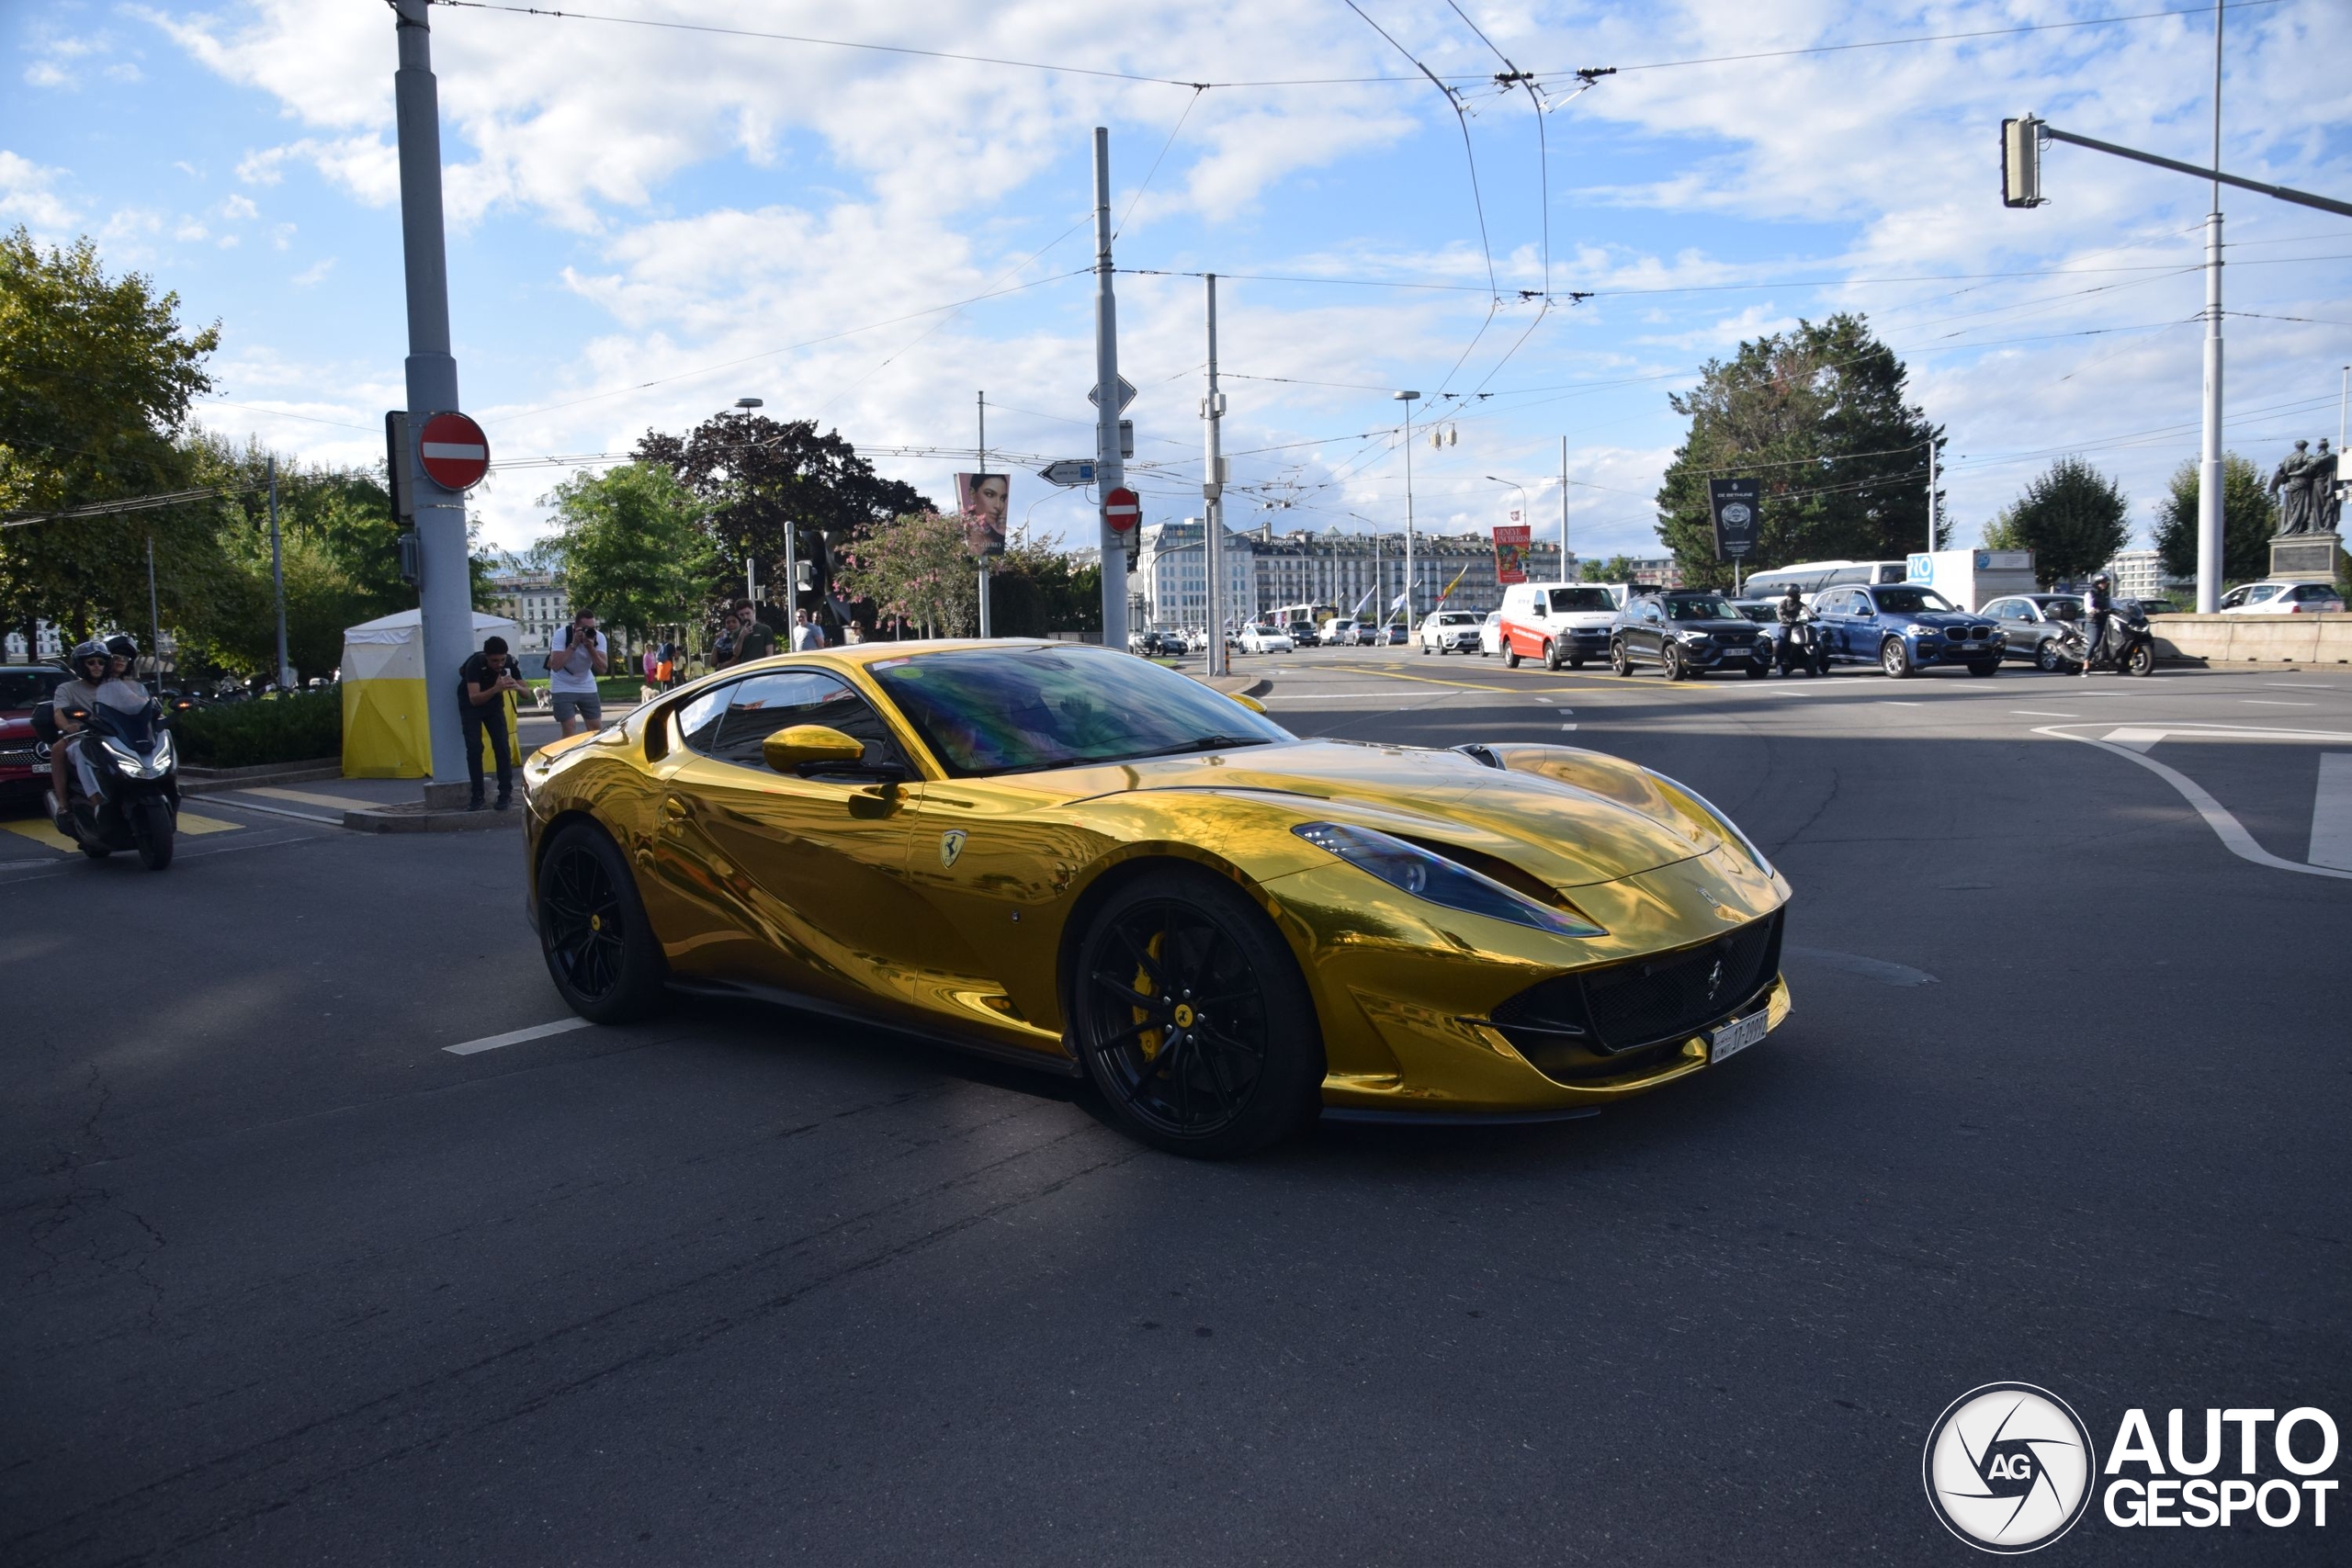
column 725, row 216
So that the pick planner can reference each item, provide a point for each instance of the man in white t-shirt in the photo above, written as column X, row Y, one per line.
column 574, row 664
column 806, row 633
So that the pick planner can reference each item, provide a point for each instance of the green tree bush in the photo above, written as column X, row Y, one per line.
column 2072, row 517
column 294, row 726
column 2249, row 517
column 633, row 547
column 917, row 568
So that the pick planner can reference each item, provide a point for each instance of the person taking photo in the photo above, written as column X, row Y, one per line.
column 484, row 682
column 573, row 665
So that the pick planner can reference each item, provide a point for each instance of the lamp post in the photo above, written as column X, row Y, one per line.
column 1408, row 400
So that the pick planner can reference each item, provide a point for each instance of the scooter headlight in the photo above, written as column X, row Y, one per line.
column 129, row 761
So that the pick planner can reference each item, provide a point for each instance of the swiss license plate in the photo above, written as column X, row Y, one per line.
column 1739, row 1034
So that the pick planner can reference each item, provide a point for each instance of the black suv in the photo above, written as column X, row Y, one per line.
column 1688, row 631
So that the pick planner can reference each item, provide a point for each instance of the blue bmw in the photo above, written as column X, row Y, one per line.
column 1903, row 627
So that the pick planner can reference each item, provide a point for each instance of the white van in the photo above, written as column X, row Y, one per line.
column 1559, row 623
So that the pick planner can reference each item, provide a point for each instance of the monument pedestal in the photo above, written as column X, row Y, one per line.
column 2304, row 558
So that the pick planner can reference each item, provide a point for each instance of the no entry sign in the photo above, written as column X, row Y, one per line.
column 1121, row 509
column 453, row 451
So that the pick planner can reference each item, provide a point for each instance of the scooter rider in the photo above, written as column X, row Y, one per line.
column 92, row 680
column 2097, row 605
column 1792, row 611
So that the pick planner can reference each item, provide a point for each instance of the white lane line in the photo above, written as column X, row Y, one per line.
column 2226, row 827
column 2044, row 713
column 2274, row 703
column 1899, row 703
column 517, row 1037
column 1568, row 727
column 2138, row 739
column 2332, row 812
column 2299, row 686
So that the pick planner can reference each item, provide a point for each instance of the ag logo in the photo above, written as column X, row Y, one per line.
column 951, row 845
column 2008, row 1468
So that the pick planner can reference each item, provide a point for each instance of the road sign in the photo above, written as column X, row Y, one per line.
column 1069, row 473
column 1127, row 394
column 453, row 451
column 1121, row 509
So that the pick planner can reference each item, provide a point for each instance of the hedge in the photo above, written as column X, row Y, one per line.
column 611, row 688
column 299, row 726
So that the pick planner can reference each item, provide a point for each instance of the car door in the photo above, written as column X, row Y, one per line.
column 2013, row 617
column 1644, row 632
column 797, row 882
column 1829, row 610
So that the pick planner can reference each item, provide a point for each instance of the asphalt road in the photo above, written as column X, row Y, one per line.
column 2064, row 1101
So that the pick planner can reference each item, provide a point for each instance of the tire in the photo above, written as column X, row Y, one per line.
column 1617, row 663
column 1820, row 665
column 2045, row 657
column 1669, row 660
column 151, row 826
column 1893, row 661
column 1984, row 667
column 1243, row 1071
column 1510, row 657
column 1425, row 650
column 599, row 946
column 1757, row 671
column 1550, row 653
column 2143, row 660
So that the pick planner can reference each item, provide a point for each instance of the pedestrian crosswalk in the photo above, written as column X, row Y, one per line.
column 42, row 832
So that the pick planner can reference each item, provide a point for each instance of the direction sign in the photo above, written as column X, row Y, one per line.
column 453, row 451
column 1121, row 509
column 1069, row 472
column 1127, row 394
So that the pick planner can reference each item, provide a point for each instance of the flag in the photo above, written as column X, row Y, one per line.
column 1364, row 601
column 1452, row 585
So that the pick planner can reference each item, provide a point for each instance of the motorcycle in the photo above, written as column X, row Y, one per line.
column 1800, row 647
column 122, row 782
column 2129, row 648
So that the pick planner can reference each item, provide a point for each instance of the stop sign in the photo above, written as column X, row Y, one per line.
column 1121, row 509
column 453, row 450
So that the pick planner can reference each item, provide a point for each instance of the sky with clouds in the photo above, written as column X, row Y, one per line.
column 650, row 221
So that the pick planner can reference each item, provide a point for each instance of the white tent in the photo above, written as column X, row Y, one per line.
column 384, row 683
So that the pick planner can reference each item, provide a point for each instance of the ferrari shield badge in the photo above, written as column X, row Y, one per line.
column 951, row 845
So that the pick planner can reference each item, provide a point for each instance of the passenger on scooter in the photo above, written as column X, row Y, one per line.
column 93, row 682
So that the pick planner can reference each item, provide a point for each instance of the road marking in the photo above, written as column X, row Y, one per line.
column 191, row 823
column 2044, row 713
column 2298, row 687
column 307, row 797
column 517, row 1037
column 2275, row 703
column 2226, row 827
column 40, row 830
column 1568, row 727
column 1899, row 703
column 2332, row 812
column 2138, row 739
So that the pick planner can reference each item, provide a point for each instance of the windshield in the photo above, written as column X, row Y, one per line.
column 1760, row 611
column 1699, row 607
column 24, row 688
column 1911, row 600
column 1458, row 618
column 1010, row 710
column 1565, row 601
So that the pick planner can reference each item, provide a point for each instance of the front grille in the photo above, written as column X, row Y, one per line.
column 1602, row 1023
column 25, row 757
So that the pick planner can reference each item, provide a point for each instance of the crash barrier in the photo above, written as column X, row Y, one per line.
column 2254, row 640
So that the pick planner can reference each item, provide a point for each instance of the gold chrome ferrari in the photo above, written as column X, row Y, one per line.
column 1080, row 861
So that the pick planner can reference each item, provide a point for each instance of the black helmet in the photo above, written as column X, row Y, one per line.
column 2098, row 577
column 1790, row 590
column 122, row 645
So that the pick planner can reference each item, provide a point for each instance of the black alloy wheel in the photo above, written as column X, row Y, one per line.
column 2143, row 660
column 600, row 949
column 1893, row 660
column 1618, row 662
column 2045, row 657
column 1192, row 1020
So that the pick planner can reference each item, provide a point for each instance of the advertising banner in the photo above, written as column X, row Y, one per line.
column 1510, row 553
column 1738, row 505
column 983, row 500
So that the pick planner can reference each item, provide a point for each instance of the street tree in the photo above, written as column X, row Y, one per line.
column 918, row 569
column 2249, row 517
column 2072, row 517
column 1034, row 591
column 634, row 546
column 1616, row 569
column 97, row 375
column 1817, row 414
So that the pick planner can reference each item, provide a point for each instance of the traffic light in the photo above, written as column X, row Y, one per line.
column 2021, row 161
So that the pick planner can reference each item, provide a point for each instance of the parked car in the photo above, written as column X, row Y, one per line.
column 1450, row 631
column 2282, row 599
column 1559, row 623
column 2031, row 625
column 1904, row 627
column 1490, row 633
column 1264, row 637
column 1393, row 635
column 1688, row 632
column 24, row 757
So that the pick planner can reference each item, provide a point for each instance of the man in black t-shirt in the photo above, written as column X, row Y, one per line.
column 756, row 639
column 484, row 682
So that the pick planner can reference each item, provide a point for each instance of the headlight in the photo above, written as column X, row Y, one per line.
column 1923, row 632
column 1730, row 828
column 129, row 761
column 1412, row 869
column 163, row 755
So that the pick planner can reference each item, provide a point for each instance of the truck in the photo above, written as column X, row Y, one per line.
column 1970, row 579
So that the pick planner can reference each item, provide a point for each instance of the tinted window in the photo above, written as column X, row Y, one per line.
column 1001, row 710
column 729, row 724
column 1851, row 574
column 1892, row 571
column 1911, row 600
column 1650, row 616
column 1565, row 601
column 1699, row 607
column 23, row 688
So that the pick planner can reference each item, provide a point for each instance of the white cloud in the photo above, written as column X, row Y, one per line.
column 315, row 274
column 28, row 196
column 45, row 73
column 238, row 206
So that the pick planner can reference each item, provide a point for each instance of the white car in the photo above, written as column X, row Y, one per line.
column 1450, row 631
column 1491, row 634
column 1262, row 637
column 2282, row 599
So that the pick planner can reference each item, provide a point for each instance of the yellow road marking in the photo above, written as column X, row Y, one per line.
column 340, row 802
column 191, row 823
column 40, row 830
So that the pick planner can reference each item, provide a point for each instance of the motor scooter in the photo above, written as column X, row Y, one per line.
column 1799, row 648
column 2129, row 648
column 121, row 780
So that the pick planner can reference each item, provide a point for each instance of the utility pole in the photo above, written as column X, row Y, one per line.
column 155, row 623
column 444, row 595
column 2208, row 485
column 277, row 577
column 1110, row 472
column 1564, row 512
column 1931, row 502
column 1212, row 496
column 976, row 480
column 1410, row 624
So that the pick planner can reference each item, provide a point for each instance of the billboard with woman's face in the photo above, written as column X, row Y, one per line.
column 984, row 499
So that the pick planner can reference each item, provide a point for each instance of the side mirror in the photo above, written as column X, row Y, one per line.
column 1252, row 703
column 798, row 746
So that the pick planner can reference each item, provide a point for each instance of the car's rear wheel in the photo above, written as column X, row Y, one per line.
column 599, row 948
column 2045, row 657
column 1192, row 1019
column 1618, row 662
column 1893, row 660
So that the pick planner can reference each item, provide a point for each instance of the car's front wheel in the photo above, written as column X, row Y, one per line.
column 1984, row 667
column 1671, row 659
column 2045, row 657
column 1192, row 1020
column 1619, row 663
column 1511, row 656
column 1893, row 660
column 599, row 948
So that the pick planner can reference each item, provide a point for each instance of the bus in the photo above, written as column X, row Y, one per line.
column 1812, row 577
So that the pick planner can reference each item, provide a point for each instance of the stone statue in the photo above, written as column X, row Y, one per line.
column 2291, row 481
column 2327, row 500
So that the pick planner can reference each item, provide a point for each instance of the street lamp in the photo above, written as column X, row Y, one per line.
column 1407, row 399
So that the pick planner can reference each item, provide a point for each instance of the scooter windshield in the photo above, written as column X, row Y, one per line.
column 134, row 727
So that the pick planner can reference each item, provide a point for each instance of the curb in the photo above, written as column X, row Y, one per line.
column 203, row 781
column 420, row 819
